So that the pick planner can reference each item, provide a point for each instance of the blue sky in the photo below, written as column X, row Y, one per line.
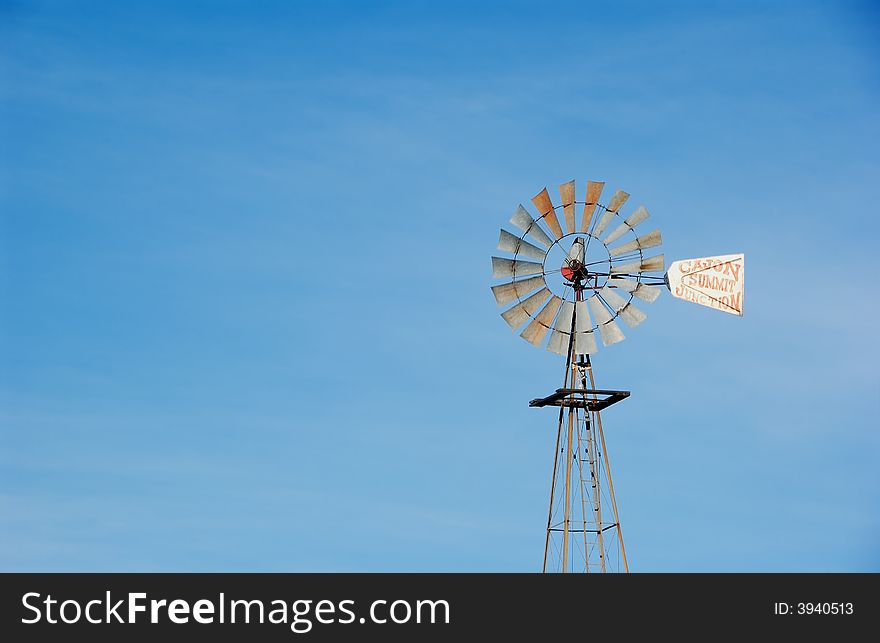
column 246, row 321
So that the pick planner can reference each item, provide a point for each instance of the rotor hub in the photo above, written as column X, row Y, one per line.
column 574, row 267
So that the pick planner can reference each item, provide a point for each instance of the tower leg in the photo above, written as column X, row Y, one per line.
column 568, row 461
column 556, row 453
column 598, row 424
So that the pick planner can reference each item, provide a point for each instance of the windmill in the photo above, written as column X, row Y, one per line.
column 567, row 289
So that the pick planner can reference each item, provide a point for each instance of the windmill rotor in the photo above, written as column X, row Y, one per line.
column 605, row 283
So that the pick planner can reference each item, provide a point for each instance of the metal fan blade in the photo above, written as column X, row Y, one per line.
column 582, row 321
column 617, row 200
column 647, row 294
column 628, row 224
column 566, row 191
column 584, row 340
column 559, row 336
column 524, row 221
column 545, row 207
column 645, row 265
column 608, row 328
column 623, row 307
column 651, row 264
column 563, row 321
column 649, row 240
column 511, row 243
column 632, row 316
column 601, row 313
column 502, row 267
column 629, row 285
column 585, row 343
column 716, row 282
column 537, row 329
column 558, row 342
column 611, row 333
column 626, row 268
column 612, row 298
column 640, row 290
column 506, row 293
column 603, row 223
column 594, row 191
column 518, row 313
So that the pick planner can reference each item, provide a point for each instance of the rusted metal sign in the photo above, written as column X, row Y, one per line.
column 715, row 282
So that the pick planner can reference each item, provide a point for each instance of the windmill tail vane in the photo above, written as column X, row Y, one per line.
column 567, row 288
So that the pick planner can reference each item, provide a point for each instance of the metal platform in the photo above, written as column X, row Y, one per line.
column 593, row 399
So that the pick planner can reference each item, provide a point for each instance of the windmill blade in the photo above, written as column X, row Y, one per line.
column 537, row 329
column 559, row 336
column 511, row 243
column 622, row 269
column 628, row 224
column 584, row 340
column 564, row 320
column 623, row 307
column 558, row 342
column 545, row 207
column 649, row 264
column 608, row 328
column 715, row 282
column 640, row 290
column 647, row 294
column 520, row 312
column 585, row 343
column 594, row 191
column 650, row 240
column 506, row 293
column 617, row 200
column 502, row 267
column 604, row 220
column 524, row 221
column 652, row 264
column 632, row 316
column 614, row 300
column 566, row 192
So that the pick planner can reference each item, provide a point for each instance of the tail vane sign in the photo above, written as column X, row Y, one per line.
column 715, row 282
